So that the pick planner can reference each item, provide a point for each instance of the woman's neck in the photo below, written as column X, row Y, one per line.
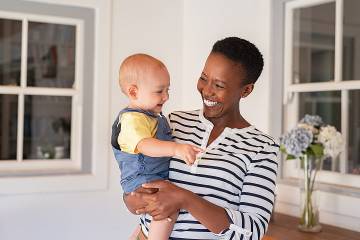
column 232, row 121
column 221, row 123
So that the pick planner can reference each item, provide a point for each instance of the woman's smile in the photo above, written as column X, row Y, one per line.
column 210, row 103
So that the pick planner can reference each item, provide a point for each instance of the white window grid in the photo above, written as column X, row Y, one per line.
column 41, row 165
column 291, row 90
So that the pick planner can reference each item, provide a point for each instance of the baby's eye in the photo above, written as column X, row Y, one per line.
column 162, row 91
column 202, row 78
column 219, row 86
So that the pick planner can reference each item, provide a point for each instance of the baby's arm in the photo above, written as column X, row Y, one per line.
column 157, row 148
column 136, row 136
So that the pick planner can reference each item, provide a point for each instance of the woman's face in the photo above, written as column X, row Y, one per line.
column 220, row 86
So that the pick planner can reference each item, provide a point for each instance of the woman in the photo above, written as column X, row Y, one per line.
column 229, row 192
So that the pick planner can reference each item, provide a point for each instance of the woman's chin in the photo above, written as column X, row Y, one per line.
column 211, row 112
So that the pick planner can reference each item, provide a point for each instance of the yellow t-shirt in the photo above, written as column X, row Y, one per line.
column 135, row 126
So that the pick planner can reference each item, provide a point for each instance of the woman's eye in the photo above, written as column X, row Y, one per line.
column 202, row 78
column 219, row 86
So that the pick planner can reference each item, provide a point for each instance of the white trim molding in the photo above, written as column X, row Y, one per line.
column 66, row 177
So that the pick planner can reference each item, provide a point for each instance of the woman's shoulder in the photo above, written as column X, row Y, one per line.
column 193, row 113
column 253, row 134
column 185, row 115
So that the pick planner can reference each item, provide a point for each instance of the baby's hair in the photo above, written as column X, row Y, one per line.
column 244, row 53
column 133, row 68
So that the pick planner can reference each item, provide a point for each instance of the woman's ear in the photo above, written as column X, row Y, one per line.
column 132, row 92
column 246, row 90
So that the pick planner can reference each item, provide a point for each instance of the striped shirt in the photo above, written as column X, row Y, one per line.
column 237, row 171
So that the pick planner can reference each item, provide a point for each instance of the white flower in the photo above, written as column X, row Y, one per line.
column 331, row 140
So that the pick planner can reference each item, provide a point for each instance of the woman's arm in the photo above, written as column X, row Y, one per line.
column 257, row 195
column 171, row 198
column 251, row 217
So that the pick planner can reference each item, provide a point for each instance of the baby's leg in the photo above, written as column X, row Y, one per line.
column 161, row 230
column 135, row 233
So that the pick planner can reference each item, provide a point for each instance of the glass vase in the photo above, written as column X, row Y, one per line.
column 309, row 211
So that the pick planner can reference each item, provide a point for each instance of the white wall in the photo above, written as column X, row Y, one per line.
column 206, row 21
column 152, row 27
column 335, row 209
column 62, row 216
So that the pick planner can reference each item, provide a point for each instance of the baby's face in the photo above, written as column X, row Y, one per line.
column 153, row 90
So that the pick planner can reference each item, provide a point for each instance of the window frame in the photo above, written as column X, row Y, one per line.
column 291, row 90
column 34, row 165
column 96, row 109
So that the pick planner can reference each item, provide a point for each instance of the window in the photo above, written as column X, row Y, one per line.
column 65, row 101
column 40, row 92
column 322, row 55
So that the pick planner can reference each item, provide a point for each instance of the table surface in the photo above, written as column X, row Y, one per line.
column 284, row 227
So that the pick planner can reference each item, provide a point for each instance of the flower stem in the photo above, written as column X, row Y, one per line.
column 308, row 218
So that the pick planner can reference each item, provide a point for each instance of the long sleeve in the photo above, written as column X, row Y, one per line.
column 250, row 220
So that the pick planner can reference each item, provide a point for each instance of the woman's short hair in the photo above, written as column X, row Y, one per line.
column 244, row 53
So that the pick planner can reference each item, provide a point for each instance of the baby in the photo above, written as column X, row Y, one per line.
column 141, row 136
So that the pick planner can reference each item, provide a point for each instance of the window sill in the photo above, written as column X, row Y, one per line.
column 56, row 183
column 325, row 187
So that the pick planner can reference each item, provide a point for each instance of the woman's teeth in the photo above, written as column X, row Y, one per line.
column 210, row 103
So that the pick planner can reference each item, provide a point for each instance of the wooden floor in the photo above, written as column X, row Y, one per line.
column 284, row 227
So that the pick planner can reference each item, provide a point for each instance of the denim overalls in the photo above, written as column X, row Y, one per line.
column 137, row 169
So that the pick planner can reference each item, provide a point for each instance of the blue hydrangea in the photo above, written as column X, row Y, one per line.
column 313, row 120
column 296, row 141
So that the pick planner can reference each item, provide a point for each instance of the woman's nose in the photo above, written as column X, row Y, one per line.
column 207, row 90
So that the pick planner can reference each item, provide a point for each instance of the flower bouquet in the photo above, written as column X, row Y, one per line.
column 310, row 141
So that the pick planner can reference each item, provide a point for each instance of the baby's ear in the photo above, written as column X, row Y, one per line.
column 132, row 92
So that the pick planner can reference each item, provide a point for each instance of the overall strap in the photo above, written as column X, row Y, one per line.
column 151, row 114
column 116, row 127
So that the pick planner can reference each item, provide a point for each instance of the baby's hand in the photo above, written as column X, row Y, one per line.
column 187, row 152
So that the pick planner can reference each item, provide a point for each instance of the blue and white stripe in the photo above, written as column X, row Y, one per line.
column 237, row 172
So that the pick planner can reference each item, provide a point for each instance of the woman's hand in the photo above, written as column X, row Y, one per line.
column 167, row 200
column 134, row 202
column 170, row 198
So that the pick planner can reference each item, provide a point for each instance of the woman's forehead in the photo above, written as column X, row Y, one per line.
column 220, row 65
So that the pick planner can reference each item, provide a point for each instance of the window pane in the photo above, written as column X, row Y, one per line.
column 8, row 126
column 314, row 44
column 51, row 55
column 47, row 127
column 354, row 132
column 10, row 52
column 328, row 106
column 351, row 39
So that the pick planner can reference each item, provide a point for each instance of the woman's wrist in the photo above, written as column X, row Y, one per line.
column 186, row 198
